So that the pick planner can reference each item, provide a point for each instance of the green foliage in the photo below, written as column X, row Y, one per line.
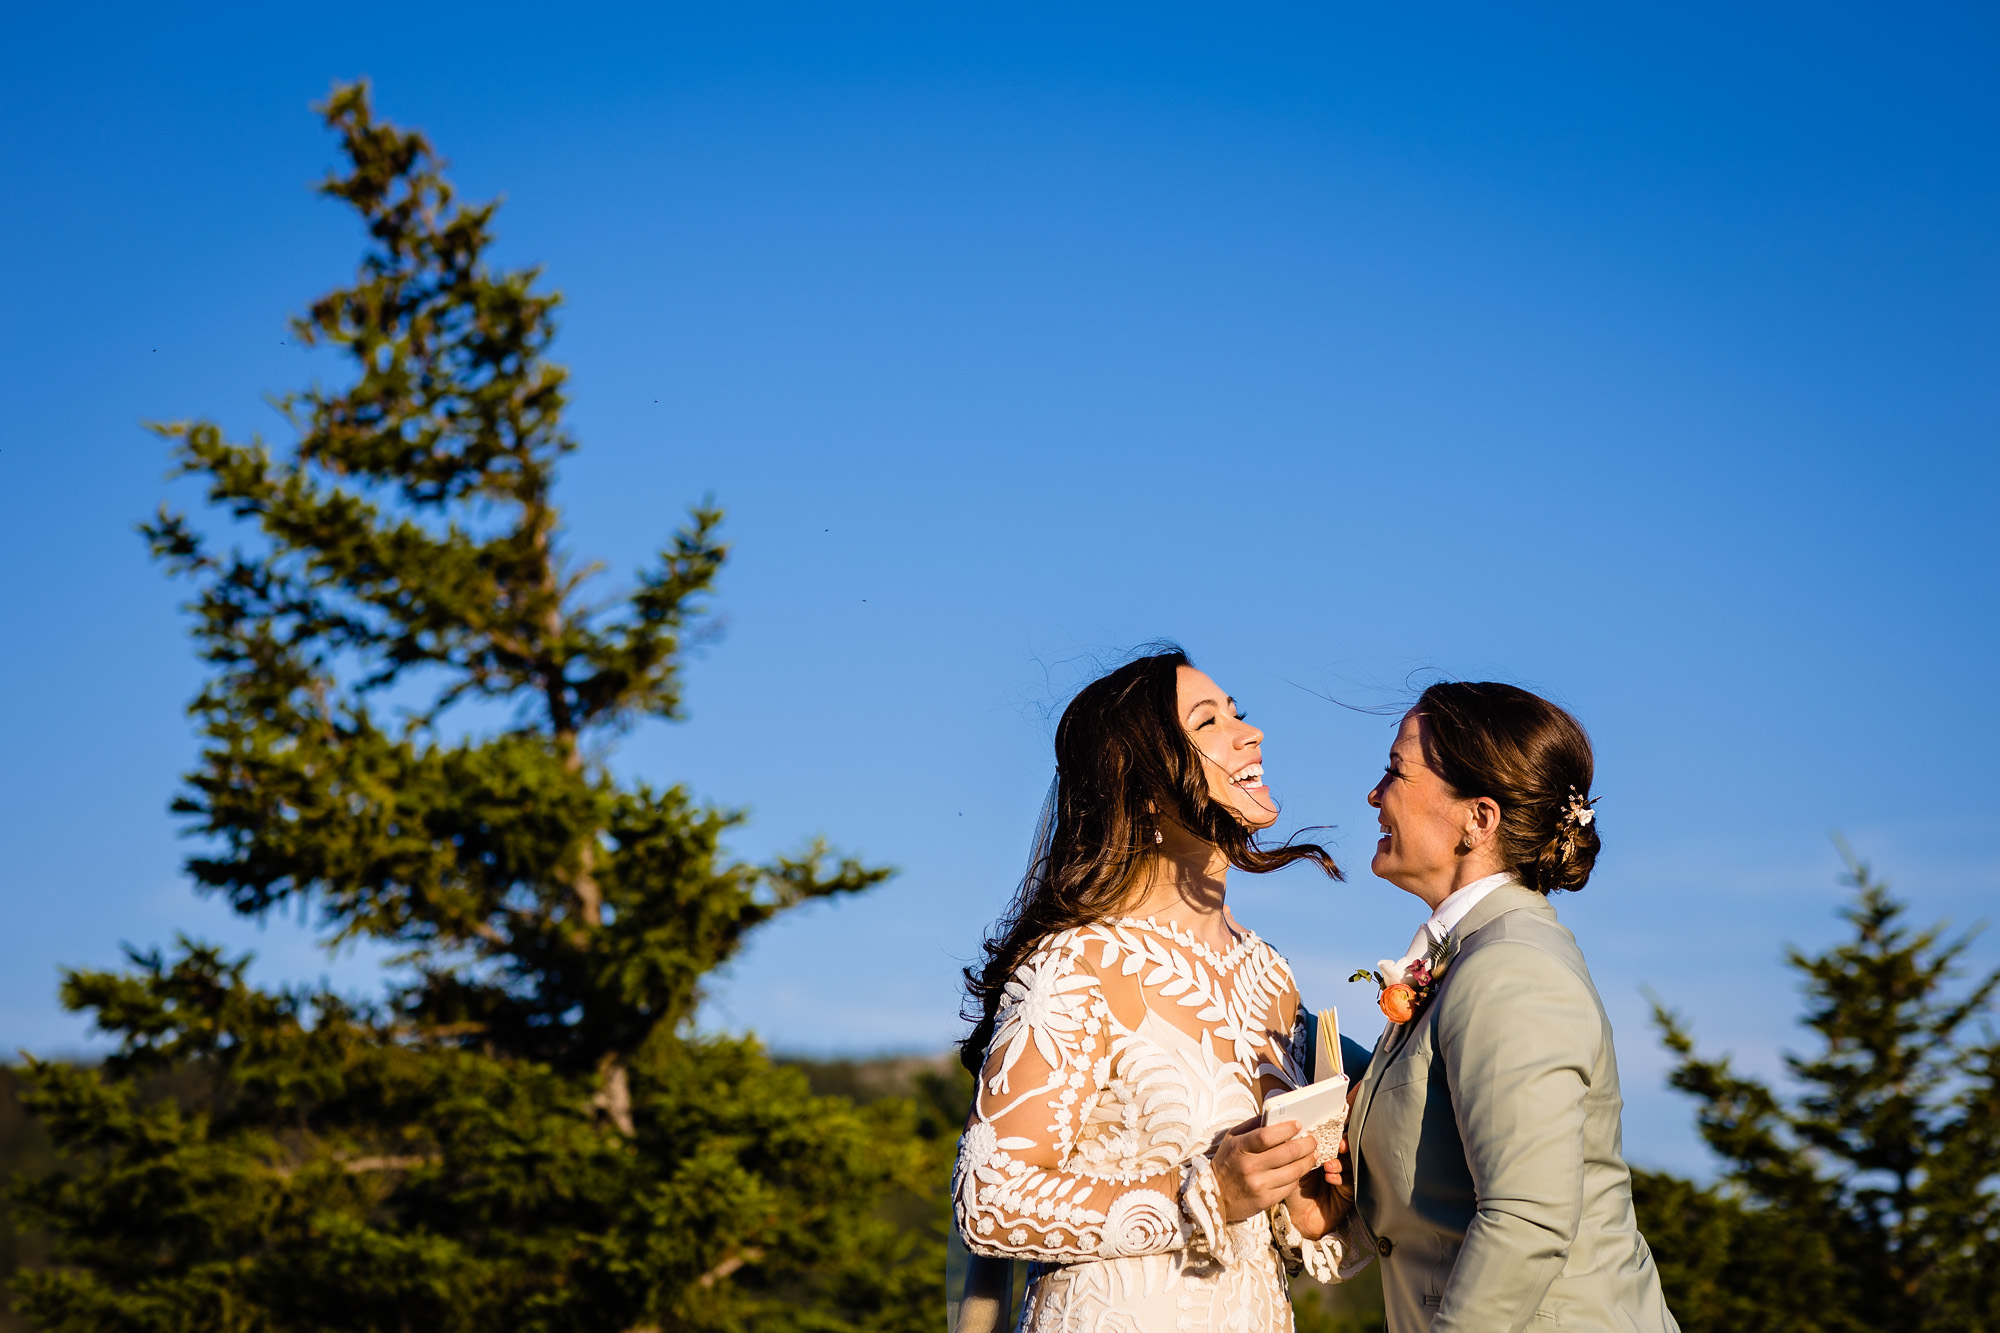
column 1868, row 1200
column 1725, row 1265
column 413, row 695
column 1353, row 1306
column 24, row 1154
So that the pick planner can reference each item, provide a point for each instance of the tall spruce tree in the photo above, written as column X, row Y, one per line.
column 1867, row 1201
column 524, row 1133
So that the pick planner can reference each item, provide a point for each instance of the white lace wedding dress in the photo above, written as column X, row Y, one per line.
column 1123, row 1051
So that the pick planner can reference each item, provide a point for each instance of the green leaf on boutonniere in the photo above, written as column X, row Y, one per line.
column 1442, row 951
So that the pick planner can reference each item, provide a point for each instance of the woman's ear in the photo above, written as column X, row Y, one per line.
column 1482, row 822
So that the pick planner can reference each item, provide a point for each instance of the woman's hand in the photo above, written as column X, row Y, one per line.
column 1323, row 1199
column 1317, row 1207
column 1256, row 1166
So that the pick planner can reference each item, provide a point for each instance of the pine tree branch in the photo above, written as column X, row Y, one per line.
column 748, row 1255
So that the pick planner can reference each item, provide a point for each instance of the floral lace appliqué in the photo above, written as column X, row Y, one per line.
column 1122, row 1052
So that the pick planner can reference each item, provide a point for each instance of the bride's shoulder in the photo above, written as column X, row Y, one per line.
column 1062, row 953
column 1113, row 953
column 1266, row 969
column 1071, row 940
column 1271, row 955
column 1067, row 973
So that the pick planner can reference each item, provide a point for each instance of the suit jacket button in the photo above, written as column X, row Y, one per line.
column 1384, row 1246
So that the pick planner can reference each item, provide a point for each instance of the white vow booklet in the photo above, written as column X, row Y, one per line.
column 1320, row 1107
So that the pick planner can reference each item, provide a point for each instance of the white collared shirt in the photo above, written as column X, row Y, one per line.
column 1461, row 901
column 1443, row 921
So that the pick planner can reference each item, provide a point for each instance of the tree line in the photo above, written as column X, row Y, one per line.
column 525, row 1131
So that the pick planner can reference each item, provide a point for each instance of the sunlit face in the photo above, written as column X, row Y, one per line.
column 1232, row 751
column 1423, row 823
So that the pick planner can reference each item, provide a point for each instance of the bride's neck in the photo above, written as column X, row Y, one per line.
column 1188, row 886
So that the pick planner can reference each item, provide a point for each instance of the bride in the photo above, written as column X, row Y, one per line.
column 1129, row 1028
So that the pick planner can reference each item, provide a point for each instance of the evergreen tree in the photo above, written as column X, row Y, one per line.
column 1727, row 1266
column 1868, row 1199
column 524, row 1132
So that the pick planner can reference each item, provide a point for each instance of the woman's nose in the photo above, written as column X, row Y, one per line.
column 1375, row 796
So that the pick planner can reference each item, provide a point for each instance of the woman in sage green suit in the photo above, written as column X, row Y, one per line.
column 1487, row 1165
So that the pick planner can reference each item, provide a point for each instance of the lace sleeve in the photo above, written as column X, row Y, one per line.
column 1055, row 1165
column 1334, row 1257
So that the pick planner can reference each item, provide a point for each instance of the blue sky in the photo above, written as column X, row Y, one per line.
column 1643, row 355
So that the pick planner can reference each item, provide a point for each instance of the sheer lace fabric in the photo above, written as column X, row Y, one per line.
column 1123, row 1051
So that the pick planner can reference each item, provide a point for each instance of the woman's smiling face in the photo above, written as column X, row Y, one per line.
column 1232, row 751
column 1423, row 822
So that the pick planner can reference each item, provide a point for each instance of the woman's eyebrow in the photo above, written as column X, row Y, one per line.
column 1208, row 703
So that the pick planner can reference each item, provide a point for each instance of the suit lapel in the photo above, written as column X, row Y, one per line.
column 1509, row 897
column 1393, row 1036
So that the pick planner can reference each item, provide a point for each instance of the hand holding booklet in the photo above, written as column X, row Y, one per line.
column 1320, row 1107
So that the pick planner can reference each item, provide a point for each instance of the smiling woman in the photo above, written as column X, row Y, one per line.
column 1128, row 1029
column 1150, row 751
column 1487, row 1132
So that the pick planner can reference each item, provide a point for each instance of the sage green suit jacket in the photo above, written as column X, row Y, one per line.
column 1487, row 1146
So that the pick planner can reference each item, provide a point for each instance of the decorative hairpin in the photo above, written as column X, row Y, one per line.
column 1577, row 815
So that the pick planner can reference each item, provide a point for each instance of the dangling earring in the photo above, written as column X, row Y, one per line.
column 1159, row 837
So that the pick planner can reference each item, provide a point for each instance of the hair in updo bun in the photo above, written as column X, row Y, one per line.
column 1530, row 758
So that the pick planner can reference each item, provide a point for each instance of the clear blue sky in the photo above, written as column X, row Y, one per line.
column 1642, row 355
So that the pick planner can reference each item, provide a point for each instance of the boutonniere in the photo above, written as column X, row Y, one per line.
column 1408, row 983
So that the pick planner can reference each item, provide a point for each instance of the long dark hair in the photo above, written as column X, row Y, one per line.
column 1529, row 757
column 1124, row 762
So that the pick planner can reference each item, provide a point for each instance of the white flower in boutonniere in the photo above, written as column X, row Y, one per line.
column 1409, row 982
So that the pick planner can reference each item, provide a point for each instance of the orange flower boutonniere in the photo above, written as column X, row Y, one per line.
column 1408, row 983
column 1399, row 1002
